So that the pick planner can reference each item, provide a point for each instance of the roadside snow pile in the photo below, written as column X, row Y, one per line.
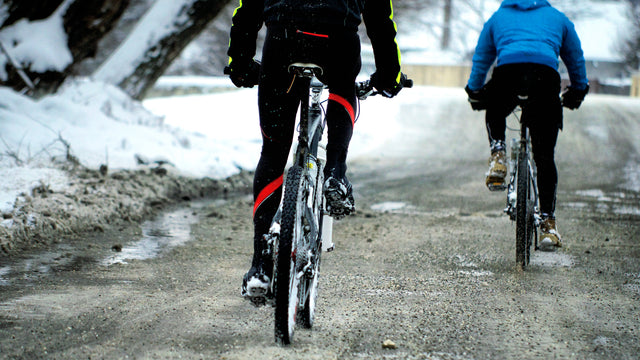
column 94, row 201
column 74, row 125
column 86, row 120
column 90, row 156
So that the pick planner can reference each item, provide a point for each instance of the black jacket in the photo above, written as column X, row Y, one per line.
column 318, row 14
column 342, row 13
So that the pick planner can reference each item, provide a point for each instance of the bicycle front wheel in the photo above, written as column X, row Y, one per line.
column 524, row 209
column 287, row 280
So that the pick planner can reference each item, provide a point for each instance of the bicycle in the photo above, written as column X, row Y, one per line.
column 301, row 227
column 523, row 205
column 296, row 230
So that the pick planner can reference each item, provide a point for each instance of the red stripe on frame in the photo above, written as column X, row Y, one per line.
column 312, row 34
column 347, row 106
column 266, row 192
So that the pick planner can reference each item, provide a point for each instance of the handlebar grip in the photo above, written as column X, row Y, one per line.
column 406, row 82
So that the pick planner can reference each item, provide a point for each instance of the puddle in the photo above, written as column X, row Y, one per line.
column 4, row 271
column 475, row 273
column 30, row 268
column 614, row 202
column 634, row 284
column 389, row 206
column 632, row 174
column 552, row 259
column 170, row 230
column 470, row 267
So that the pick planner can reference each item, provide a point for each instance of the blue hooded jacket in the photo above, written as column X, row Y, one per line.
column 528, row 31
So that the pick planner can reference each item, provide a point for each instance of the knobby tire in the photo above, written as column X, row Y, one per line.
column 286, row 292
column 523, row 207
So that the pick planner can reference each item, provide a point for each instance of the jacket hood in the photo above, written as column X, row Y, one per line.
column 525, row 4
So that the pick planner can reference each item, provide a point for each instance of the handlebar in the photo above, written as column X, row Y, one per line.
column 364, row 89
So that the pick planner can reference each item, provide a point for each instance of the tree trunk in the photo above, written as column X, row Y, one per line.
column 85, row 22
column 27, row 9
column 134, row 68
column 88, row 21
column 446, row 26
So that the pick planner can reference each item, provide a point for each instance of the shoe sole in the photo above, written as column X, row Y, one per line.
column 337, row 206
column 497, row 186
column 548, row 245
column 257, row 296
column 256, row 292
column 495, row 182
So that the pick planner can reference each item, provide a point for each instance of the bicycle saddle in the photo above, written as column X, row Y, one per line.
column 305, row 69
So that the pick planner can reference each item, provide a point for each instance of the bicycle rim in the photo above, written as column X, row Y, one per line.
column 287, row 282
column 523, row 210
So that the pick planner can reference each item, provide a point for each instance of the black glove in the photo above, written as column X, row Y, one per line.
column 386, row 86
column 477, row 98
column 572, row 98
column 243, row 74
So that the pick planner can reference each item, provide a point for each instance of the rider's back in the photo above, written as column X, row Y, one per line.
column 528, row 31
column 314, row 13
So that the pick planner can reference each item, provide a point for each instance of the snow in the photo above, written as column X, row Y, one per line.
column 200, row 135
column 40, row 44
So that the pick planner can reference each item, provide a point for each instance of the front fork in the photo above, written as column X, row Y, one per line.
column 510, row 209
column 512, row 197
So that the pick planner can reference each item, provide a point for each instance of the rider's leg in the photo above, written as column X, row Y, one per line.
column 543, row 141
column 501, row 104
column 277, row 107
column 343, row 65
column 546, row 121
column 496, row 126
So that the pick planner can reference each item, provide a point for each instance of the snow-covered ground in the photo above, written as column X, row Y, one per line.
column 201, row 135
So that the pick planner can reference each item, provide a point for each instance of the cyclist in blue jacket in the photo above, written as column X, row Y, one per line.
column 323, row 32
column 527, row 38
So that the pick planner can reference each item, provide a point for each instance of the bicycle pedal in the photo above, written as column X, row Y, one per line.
column 258, row 296
column 497, row 186
column 257, row 301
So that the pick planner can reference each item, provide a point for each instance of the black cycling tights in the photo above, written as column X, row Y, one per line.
column 338, row 53
column 543, row 116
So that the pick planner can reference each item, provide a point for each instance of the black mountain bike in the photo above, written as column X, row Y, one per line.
column 522, row 192
column 299, row 229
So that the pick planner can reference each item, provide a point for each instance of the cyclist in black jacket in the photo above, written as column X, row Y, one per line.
column 323, row 32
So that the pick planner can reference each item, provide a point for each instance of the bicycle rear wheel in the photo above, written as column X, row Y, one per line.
column 287, row 281
column 524, row 209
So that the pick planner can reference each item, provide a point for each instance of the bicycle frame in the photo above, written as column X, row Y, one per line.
column 515, row 146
